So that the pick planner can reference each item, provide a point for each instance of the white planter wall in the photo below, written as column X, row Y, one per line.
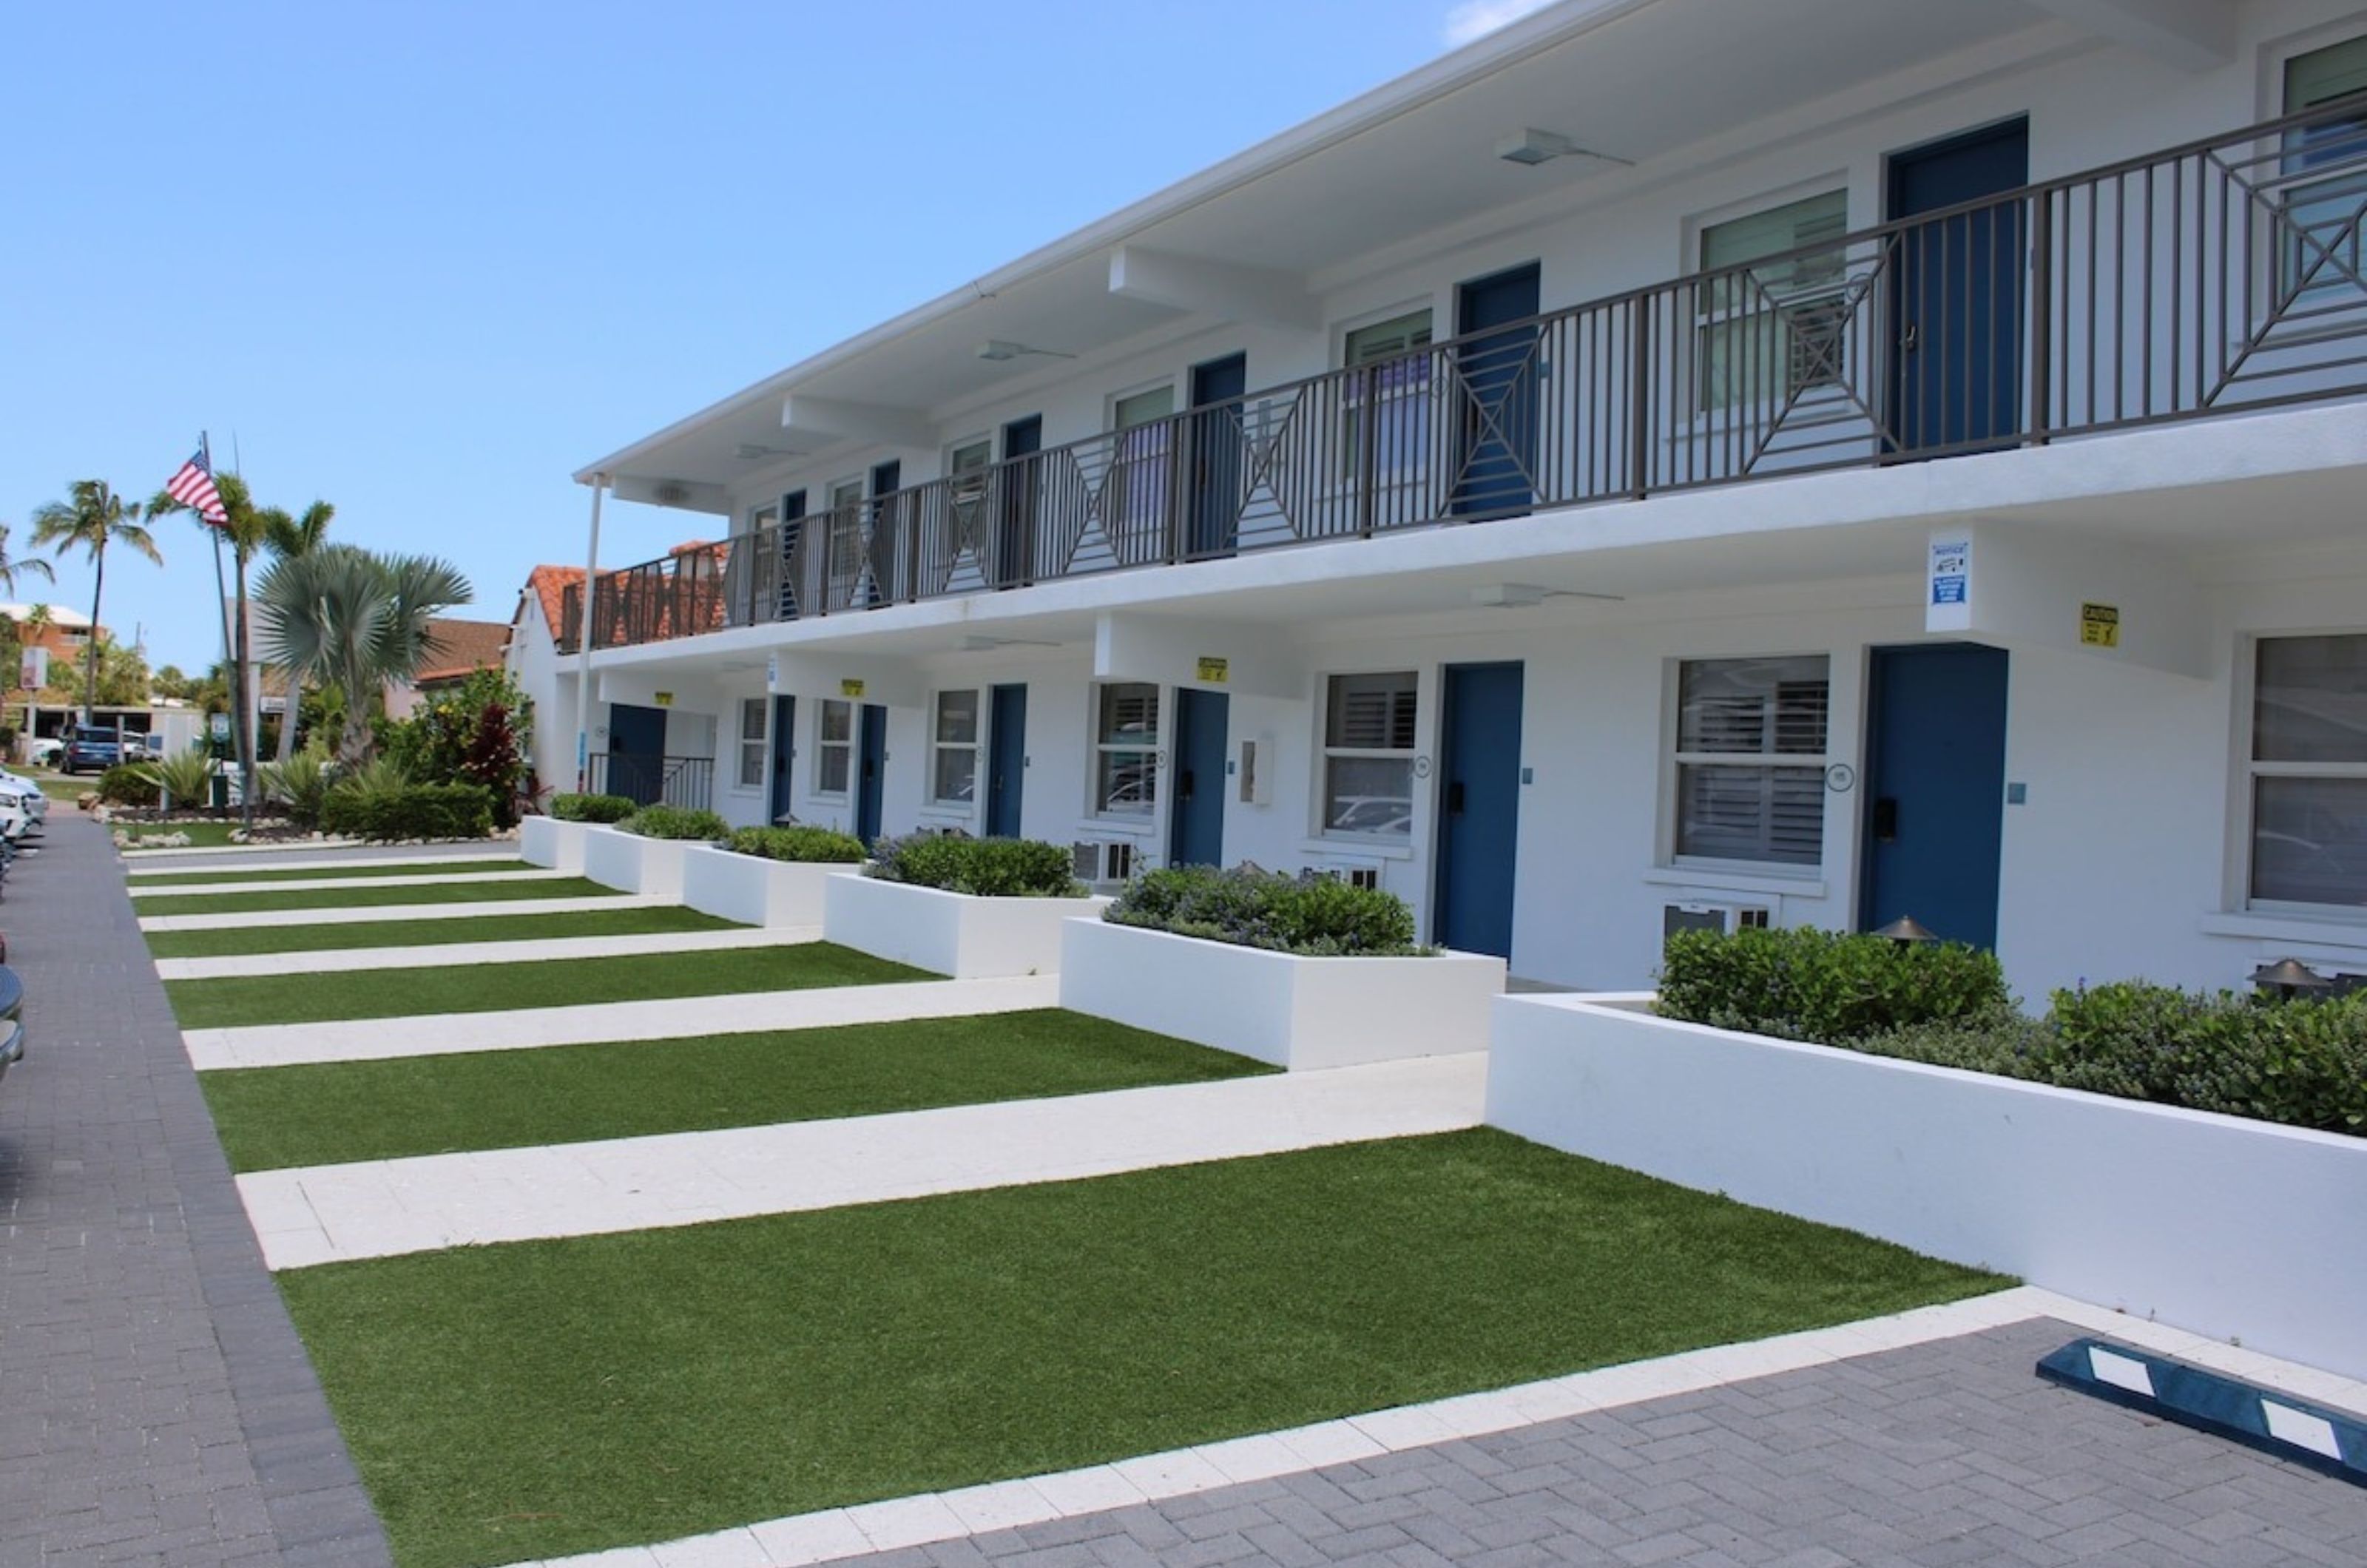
column 752, row 890
column 547, row 841
column 2234, row 1229
column 948, row 933
column 1278, row 1007
column 631, row 863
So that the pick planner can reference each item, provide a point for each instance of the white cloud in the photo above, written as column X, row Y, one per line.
column 1469, row 19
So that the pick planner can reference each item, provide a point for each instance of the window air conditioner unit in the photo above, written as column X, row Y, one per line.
column 1723, row 917
column 1354, row 873
column 1104, row 866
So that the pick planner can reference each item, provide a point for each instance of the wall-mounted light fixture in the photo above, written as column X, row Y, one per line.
column 999, row 349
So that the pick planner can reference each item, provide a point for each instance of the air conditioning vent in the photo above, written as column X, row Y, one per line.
column 1354, row 873
column 1723, row 917
column 1104, row 866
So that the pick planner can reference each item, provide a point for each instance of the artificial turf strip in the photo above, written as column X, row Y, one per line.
column 551, row 982
column 160, row 881
column 272, row 1117
column 635, row 921
column 544, row 1398
column 269, row 898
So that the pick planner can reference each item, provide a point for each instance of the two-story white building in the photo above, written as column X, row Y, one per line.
column 1673, row 460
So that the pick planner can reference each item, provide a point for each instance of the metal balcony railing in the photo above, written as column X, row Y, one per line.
column 2221, row 277
column 651, row 779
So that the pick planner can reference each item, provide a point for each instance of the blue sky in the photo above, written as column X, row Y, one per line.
column 423, row 261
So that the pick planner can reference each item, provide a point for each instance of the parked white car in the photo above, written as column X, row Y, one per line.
column 36, row 800
column 45, row 752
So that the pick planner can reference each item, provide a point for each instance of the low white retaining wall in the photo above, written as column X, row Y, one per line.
column 947, row 933
column 753, row 890
column 2237, row 1230
column 548, row 842
column 631, row 863
column 1276, row 1007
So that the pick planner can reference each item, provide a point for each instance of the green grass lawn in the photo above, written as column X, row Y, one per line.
column 524, row 927
column 493, row 987
column 552, row 1397
column 141, row 882
column 322, row 1114
column 201, row 835
column 62, row 787
column 357, row 898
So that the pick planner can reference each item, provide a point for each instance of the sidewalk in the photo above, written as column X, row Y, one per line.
column 156, row 1405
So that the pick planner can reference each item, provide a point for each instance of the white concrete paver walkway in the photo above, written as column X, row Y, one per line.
column 900, row 1523
column 239, row 920
column 194, row 889
column 676, row 1018
column 342, row 960
column 380, row 1208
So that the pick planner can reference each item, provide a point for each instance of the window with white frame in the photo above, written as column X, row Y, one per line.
column 966, row 466
column 752, row 735
column 2322, row 245
column 1770, row 331
column 1126, row 750
column 834, row 746
column 845, row 541
column 2308, row 769
column 1750, row 759
column 952, row 749
column 1388, row 404
column 1368, row 745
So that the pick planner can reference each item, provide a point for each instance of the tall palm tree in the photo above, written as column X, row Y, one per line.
column 31, row 566
column 288, row 537
column 92, row 518
column 344, row 616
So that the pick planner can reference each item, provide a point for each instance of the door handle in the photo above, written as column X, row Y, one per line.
column 1454, row 796
column 1183, row 786
column 1911, row 339
column 1886, row 819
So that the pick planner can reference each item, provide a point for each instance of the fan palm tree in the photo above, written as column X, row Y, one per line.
column 288, row 537
column 341, row 614
column 92, row 518
column 31, row 566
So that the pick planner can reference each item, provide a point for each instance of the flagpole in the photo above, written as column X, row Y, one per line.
column 249, row 730
column 583, row 645
column 222, row 598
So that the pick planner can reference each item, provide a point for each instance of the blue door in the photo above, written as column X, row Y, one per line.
column 1214, row 432
column 1479, row 808
column 1006, row 761
column 636, row 753
column 1014, row 541
column 785, row 751
column 1195, row 832
column 1935, row 789
column 1955, row 294
column 1496, row 404
column 872, row 751
column 890, row 538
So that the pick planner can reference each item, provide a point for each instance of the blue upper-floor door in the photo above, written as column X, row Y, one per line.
column 1478, row 807
column 1018, row 484
column 1196, row 829
column 1955, row 291
column 1497, row 373
column 1935, row 789
column 1006, row 760
column 1216, row 468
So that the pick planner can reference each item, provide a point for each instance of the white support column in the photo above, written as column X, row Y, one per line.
column 583, row 644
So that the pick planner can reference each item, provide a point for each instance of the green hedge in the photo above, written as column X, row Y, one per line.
column 128, row 783
column 1799, row 983
column 409, row 811
column 1311, row 915
column 677, row 822
column 593, row 807
column 988, row 868
column 797, row 843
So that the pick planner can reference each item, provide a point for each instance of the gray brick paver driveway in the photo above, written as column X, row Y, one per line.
column 155, row 1404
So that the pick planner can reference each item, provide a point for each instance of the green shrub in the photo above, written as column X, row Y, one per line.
column 298, row 784
column 593, row 807
column 408, row 811
column 187, row 778
column 676, row 822
column 128, row 783
column 987, row 868
column 797, row 843
column 1800, row 983
column 1317, row 916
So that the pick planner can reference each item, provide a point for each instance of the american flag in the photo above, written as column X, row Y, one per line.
column 193, row 487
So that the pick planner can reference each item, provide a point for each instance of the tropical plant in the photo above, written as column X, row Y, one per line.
column 91, row 519
column 799, row 842
column 663, row 822
column 474, row 733
column 987, row 868
column 299, row 784
column 185, row 777
column 573, row 807
column 31, row 566
column 360, row 619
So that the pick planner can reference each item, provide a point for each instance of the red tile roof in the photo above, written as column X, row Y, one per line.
column 456, row 648
column 549, row 584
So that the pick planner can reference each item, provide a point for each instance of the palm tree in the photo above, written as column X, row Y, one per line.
column 91, row 519
column 32, row 565
column 341, row 614
column 289, row 537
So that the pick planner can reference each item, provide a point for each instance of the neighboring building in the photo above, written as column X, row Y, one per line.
column 1814, row 461
column 49, row 653
column 456, row 651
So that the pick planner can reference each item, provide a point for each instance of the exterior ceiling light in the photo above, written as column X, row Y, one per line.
column 1531, row 146
column 976, row 644
column 749, row 451
column 998, row 350
column 1527, row 595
